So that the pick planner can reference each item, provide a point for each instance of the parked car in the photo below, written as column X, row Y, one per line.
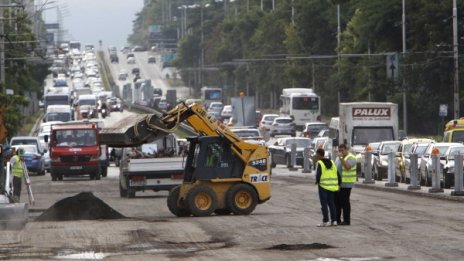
column 311, row 129
column 374, row 147
column 283, row 126
column 35, row 161
column 266, row 121
column 400, row 157
column 381, row 160
column 280, row 151
column 426, row 160
column 419, row 149
column 448, row 168
column 250, row 135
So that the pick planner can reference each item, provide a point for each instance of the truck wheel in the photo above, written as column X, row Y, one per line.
column 131, row 193
column 201, row 201
column 54, row 178
column 241, row 199
column 178, row 211
column 122, row 191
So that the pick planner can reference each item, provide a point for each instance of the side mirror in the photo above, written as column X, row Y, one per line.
column 335, row 142
column 46, row 138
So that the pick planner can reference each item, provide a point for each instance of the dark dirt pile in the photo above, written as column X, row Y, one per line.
column 83, row 206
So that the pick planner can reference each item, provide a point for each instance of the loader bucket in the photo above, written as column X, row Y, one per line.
column 13, row 216
column 133, row 131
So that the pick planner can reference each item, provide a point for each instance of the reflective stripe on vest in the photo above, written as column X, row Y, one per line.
column 329, row 179
column 18, row 168
column 349, row 175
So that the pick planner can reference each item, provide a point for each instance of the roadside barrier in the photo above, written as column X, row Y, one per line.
column 368, row 168
column 306, row 162
column 458, row 176
column 436, row 172
column 413, row 173
column 292, row 157
column 391, row 170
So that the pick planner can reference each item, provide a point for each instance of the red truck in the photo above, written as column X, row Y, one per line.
column 75, row 150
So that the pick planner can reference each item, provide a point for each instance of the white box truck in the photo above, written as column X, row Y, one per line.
column 360, row 123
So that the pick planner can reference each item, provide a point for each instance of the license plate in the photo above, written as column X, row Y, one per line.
column 75, row 167
column 136, row 183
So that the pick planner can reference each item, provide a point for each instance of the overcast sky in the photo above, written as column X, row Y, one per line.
column 89, row 21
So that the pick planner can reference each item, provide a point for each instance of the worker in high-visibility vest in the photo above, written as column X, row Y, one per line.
column 346, row 165
column 18, row 172
column 329, row 180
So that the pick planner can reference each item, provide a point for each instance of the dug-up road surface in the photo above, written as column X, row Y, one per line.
column 385, row 226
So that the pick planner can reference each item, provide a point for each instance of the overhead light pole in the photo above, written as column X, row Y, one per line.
column 405, row 120
column 456, row 61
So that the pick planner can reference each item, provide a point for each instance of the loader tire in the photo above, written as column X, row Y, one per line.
column 178, row 211
column 201, row 201
column 241, row 199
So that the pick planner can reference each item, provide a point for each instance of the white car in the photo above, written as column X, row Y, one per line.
column 283, row 126
column 266, row 121
column 425, row 166
column 226, row 112
column 250, row 135
column 131, row 60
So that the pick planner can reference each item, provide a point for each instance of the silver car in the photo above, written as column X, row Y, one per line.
column 283, row 126
column 426, row 160
column 419, row 149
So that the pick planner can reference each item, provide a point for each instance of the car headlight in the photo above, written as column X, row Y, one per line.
column 384, row 163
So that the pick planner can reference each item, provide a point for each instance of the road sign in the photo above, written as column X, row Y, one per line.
column 392, row 66
column 443, row 110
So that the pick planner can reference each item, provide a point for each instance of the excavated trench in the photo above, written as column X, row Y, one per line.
column 83, row 206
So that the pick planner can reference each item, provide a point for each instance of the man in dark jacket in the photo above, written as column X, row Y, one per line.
column 328, row 180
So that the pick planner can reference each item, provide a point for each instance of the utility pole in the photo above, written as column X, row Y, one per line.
column 405, row 114
column 338, row 51
column 456, row 61
column 2, row 47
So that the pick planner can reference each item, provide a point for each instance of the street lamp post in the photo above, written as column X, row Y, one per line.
column 456, row 61
column 405, row 121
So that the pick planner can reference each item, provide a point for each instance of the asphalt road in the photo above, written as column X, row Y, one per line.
column 385, row 225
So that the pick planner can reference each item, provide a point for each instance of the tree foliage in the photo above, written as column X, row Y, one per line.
column 275, row 49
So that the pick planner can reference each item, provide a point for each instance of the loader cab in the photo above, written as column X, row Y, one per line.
column 211, row 158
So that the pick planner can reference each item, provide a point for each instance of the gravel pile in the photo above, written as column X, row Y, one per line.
column 83, row 206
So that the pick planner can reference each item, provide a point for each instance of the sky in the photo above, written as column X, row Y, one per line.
column 89, row 21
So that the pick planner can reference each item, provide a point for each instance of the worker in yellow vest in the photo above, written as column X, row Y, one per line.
column 18, row 172
column 329, row 180
column 346, row 165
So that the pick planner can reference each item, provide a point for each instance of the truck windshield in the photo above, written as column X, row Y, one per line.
column 457, row 136
column 366, row 135
column 65, row 138
column 57, row 100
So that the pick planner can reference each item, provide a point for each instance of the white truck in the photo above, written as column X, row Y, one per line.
column 153, row 166
column 360, row 123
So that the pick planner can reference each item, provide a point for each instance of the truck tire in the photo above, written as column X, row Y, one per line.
column 178, row 211
column 130, row 193
column 201, row 201
column 241, row 199
column 122, row 191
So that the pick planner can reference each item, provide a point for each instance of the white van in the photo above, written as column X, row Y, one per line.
column 58, row 113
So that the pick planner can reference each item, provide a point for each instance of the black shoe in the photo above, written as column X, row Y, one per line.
column 344, row 223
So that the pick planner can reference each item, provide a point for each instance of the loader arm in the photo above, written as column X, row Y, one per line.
column 148, row 127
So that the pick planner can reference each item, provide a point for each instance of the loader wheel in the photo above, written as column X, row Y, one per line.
column 201, row 201
column 241, row 199
column 179, row 211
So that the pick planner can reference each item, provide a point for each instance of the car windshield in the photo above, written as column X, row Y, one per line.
column 285, row 121
column 58, row 116
column 300, row 143
column 420, row 150
column 247, row 133
column 87, row 102
column 455, row 151
column 269, row 118
column 389, row 147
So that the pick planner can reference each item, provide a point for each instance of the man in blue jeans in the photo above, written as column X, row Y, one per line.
column 328, row 180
